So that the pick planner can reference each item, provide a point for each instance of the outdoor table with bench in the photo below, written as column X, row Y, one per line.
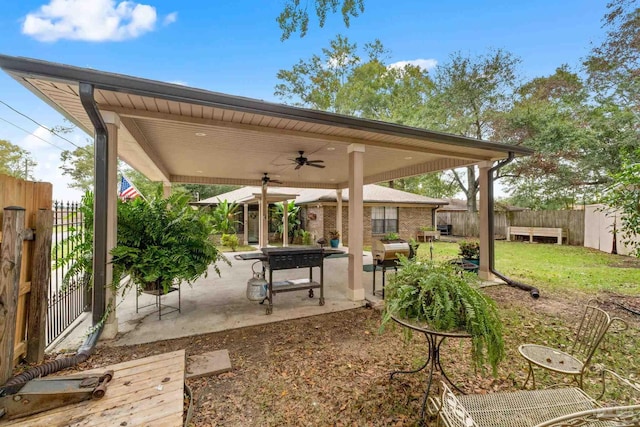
column 558, row 233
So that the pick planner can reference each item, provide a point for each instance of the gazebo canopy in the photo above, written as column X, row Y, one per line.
column 173, row 133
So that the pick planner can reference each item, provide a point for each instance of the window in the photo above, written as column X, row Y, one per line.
column 384, row 219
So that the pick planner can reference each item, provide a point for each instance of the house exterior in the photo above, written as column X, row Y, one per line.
column 386, row 210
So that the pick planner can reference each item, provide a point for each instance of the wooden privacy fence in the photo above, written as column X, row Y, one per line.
column 467, row 223
column 25, row 266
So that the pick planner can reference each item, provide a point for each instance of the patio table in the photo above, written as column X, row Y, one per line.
column 434, row 341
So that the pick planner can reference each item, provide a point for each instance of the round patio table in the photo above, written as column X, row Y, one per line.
column 434, row 341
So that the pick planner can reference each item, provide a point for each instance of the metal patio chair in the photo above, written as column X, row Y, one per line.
column 593, row 327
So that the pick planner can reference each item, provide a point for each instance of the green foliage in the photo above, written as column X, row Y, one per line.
column 294, row 18
column 230, row 240
column 613, row 66
column 625, row 196
column 469, row 249
column 78, row 165
column 16, row 161
column 225, row 217
column 293, row 221
column 161, row 241
column 444, row 298
column 78, row 246
column 306, row 238
column 391, row 236
column 427, row 228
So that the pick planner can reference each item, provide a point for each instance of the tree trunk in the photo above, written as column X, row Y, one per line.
column 472, row 189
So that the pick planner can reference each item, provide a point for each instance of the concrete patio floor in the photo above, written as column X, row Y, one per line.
column 216, row 304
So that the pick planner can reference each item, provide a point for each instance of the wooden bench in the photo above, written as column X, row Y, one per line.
column 558, row 233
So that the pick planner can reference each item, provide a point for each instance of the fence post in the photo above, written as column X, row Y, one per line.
column 36, row 325
column 10, row 266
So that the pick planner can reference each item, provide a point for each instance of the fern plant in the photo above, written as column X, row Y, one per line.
column 162, row 241
column 445, row 299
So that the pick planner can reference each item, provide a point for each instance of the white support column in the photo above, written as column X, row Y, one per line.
column 339, row 214
column 355, row 292
column 166, row 189
column 112, row 121
column 285, row 224
column 264, row 216
column 484, row 272
column 246, row 223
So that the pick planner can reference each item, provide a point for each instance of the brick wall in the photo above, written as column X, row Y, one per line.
column 410, row 220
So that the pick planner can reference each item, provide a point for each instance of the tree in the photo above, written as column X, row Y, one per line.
column 436, row 185
column 16, row 161
column 341, row 81
column 79, row 166
column 203, row 191
column 278, row 212
column 624, row 195
column 577, row 143
column 614, row 66
column 295, row 18
column 470, row 92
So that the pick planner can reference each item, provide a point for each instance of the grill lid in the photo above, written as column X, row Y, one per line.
column 384, row 250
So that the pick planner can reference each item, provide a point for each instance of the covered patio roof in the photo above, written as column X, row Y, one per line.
column 173, row 133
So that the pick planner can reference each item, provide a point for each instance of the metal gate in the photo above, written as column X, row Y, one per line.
column 69, row 286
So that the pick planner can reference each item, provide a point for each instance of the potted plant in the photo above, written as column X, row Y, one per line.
column 334, row 238
column 161, row 242
column 441, row 298
column 390, row 237
column 429, row 231
column 470, row 251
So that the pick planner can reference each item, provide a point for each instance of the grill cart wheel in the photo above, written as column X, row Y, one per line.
column 310, row 293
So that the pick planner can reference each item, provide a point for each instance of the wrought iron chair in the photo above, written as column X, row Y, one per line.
column 593, row 327
column 555, row 407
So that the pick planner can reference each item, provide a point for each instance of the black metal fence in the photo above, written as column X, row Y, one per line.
column 68, row 298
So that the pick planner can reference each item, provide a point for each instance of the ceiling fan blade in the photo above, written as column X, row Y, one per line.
column 298, row 166
column 315, row 161
column 316, row 166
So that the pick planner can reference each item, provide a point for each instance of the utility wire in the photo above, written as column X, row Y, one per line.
column 32, row 134
column 42, row 126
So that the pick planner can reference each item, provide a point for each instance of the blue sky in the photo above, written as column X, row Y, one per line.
column 235, row 47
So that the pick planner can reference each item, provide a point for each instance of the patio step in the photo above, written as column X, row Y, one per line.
column 205, row 364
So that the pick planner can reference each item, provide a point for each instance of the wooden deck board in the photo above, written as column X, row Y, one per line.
column 145, row 400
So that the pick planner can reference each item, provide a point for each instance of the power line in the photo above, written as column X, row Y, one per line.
column 42, row 126
column 32, row 134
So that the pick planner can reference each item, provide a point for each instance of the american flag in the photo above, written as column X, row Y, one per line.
column 127, row 190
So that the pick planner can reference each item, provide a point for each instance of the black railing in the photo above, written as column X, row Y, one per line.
column 69, row 284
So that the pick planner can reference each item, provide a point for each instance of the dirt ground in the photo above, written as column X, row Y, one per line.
column 333, row 370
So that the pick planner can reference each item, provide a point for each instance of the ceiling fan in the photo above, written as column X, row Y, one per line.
column 266, row 180
column 303, row 161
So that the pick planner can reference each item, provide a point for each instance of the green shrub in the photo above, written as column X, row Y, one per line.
column 230, row 240
column 306, row 238
column 469, row 249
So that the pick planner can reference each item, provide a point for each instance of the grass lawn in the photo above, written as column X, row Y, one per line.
column 557, row 268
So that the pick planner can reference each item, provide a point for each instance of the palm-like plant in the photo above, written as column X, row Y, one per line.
column 225, row 217
column 278, row 212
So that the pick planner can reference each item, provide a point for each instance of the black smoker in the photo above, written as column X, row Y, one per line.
column 385, row 255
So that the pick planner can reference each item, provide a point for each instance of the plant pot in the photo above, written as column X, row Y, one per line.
column 475, row 261
column 334, row 243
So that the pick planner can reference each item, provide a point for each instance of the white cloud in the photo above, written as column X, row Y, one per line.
column 170, row 18
column 90, row 20
column 425, row 64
